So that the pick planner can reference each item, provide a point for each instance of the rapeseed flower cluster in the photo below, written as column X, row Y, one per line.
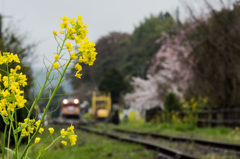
column 12, row 83
column 71, row 136
column 29, row 126
column 76, row 31
column 11, row 95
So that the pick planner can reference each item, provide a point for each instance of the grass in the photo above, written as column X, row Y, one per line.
column 90, row 146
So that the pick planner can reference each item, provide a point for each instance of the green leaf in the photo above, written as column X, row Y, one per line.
column 5, row 119
column 13, row 153
column 10, row 150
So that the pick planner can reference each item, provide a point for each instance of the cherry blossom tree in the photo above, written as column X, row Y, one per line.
column 145, row 94
column 168, row 72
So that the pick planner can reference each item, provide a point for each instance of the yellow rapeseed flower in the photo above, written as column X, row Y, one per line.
column 78, row 39
column 78, row 75
column 18, row 67
column 5, row 83
column 69, row 46
column 54, row 33
column 5, row 93
column 78, row 67
column 64, row 143
column 63, row 133
column 64, row 25
column 79, row 17
column 11, row 107
column 61, row 31
column 38, row 123
column 41, row 130
column 81, row 60
column 4, row 112
column 37, row 139
column 72, row 21
column 64, row 18
column 87, row 49
column 51, row 130
column 55, row 65
column 56, row 57
column 24, row 132
column 73, row 139
column 73, row 56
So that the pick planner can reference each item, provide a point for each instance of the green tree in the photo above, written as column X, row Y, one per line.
column 171, row 102
column 113, row 82
column 215, row 57
column 144, row 44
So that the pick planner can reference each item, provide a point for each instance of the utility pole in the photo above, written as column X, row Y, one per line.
column 177, row 19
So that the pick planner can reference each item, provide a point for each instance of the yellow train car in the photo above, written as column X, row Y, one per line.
column 101, row 104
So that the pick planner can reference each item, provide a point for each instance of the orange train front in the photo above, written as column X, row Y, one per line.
column 70, row 109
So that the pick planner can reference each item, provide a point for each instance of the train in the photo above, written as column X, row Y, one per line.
column 101, row 105
column 70, row 108
column 100, row 109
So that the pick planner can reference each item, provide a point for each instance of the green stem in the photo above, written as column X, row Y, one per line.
column 49, row 146
column 9, row 133
column 15, row 118
column 28, row 143
column 41, row 90
column 53, row 142
column 48, row 104
column 29, row 149
column 16, row 135
column 4, row 138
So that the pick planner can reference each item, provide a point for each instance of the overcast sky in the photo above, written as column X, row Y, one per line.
column 38, row 18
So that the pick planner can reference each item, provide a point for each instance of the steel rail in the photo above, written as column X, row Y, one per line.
column 215, row 144
column 165, row 150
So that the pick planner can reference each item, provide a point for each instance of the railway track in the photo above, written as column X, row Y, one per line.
column 172, row 153
column 142, row 138
column 61, row 121
column 221, row 145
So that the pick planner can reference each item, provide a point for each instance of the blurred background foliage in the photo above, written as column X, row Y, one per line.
column 130, row 54
column 215, row 55
column 12, row 41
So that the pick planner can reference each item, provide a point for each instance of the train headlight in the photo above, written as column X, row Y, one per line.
column 65, row 101
column 75, row 101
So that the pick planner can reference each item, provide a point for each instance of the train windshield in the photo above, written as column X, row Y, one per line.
column 101, row 104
